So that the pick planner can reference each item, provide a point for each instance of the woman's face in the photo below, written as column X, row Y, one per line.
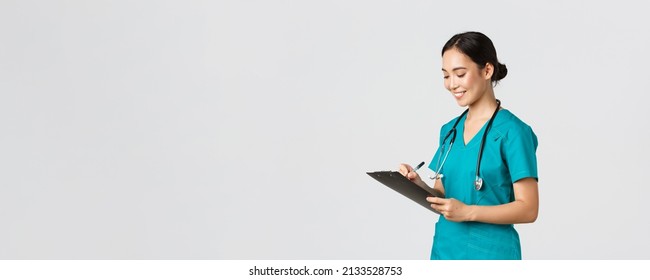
column 463, row 78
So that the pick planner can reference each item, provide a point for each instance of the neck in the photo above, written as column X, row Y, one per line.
column 482, row 108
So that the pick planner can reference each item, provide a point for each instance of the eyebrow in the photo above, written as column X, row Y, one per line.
column 457, row 68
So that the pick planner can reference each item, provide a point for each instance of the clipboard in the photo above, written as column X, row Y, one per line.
column 404, row 186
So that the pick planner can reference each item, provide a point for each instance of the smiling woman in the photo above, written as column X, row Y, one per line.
column 477, row 215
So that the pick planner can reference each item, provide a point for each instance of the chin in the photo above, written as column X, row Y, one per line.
column 461, row 102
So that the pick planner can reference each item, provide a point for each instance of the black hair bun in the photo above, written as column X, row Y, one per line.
column 501, row 72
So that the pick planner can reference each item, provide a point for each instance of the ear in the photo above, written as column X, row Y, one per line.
column 488, row 71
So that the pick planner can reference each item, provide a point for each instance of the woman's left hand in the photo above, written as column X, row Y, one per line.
column 451, row 208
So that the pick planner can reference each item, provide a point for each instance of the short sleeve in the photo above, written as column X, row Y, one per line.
column 520, row 153
column 436, row 156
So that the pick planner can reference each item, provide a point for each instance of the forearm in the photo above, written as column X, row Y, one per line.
column 516, row 212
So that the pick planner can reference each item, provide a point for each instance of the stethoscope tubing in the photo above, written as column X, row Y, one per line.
column 478, row 182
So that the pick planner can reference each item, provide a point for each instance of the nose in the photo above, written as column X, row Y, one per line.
column 453, row 83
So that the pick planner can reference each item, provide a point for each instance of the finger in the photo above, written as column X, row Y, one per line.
column 404, row 169
column 411, row 175
column 437, row 200
column 438, row 207
column 441, row 212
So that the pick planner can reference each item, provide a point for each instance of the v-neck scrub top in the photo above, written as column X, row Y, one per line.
column 508, row 156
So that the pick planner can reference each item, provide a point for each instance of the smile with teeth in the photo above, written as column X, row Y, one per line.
column 459, row 94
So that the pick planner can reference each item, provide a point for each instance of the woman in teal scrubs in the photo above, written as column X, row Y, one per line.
column 478, row 223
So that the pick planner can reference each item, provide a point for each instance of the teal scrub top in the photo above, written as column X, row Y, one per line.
column 508, row 156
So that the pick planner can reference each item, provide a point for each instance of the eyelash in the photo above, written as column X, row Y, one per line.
column 459, row 76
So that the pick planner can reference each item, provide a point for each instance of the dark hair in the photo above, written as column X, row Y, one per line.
column 480, row 49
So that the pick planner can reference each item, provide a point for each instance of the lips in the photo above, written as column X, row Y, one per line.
column 459, row 94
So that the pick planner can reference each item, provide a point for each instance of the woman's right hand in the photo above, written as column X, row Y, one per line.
column 407, row 171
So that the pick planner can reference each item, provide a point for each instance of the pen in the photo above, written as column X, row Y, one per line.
column 418, row 167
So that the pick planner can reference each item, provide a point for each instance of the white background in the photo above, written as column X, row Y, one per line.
column 243, row 129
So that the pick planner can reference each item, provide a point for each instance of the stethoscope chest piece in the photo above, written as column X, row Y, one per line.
column 478, row 183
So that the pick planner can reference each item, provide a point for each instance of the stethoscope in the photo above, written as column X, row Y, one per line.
column 478, row 181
